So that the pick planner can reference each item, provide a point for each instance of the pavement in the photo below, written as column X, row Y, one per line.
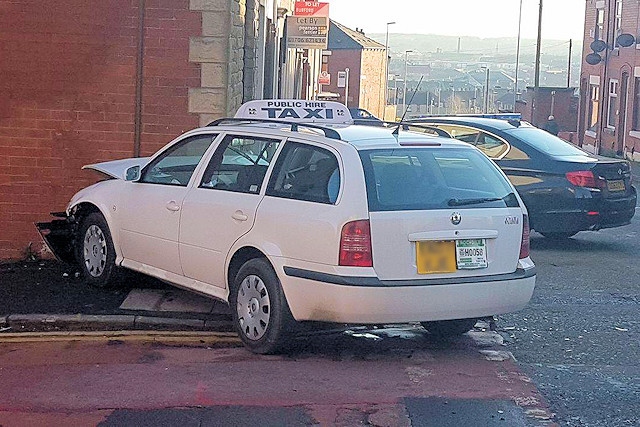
column 47, row 295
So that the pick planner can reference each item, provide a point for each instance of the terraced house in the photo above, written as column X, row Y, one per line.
column 609, row 116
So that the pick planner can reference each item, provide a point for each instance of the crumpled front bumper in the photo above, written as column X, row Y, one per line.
column 59, row 235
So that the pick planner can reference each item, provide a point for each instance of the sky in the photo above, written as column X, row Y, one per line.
column 561, row 19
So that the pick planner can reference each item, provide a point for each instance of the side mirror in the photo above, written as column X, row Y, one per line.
column 133, row 173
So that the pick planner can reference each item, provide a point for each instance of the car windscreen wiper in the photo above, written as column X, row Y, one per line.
column 463, row 202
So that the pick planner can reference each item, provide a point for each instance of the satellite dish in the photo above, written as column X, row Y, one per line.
column 598, row 45
column 625, row 40
column 593, row 58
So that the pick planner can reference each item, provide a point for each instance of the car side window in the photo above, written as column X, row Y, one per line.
column 490, row 145
column 176, row 165
column 240, row 164
column 516, row 154
column 305, row 172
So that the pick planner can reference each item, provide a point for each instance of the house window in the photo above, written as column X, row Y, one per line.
column 594, row 90
column 612, row 103
column 636, row 104
column 618, row 22
column 599, row 29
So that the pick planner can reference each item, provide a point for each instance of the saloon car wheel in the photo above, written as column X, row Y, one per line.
column 260, row 311
column 449, row 328
column 96, row 254
column 559, row 235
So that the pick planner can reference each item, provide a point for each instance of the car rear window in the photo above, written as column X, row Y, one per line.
column 433, row 178
column 545, row 142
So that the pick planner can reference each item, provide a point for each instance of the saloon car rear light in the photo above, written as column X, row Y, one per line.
column 526, row 232
column 355, row 244
column 585, row 179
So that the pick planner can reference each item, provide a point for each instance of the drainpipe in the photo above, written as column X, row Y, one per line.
column 137, row 133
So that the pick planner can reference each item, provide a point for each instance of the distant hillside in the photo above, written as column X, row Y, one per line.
column 425, row 43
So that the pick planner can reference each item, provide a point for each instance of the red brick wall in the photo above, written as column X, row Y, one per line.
column 67, row 79
column 339, row 61
column 621, row 60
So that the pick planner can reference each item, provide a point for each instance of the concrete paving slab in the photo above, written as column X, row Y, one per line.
column 167, row 301
column 143, row 299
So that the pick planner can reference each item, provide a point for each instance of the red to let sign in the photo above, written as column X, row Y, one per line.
column 324, row 78
column 311, row 8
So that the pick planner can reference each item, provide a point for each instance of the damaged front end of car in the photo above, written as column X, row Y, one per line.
column 60, row 235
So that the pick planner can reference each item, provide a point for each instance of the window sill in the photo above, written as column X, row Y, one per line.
column 590, row 133
column 634, row 134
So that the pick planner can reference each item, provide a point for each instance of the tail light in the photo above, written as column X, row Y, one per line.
column 585, row 179
column 526, row 232
column 355, row 244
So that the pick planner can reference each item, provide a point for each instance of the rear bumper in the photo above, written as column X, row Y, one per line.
column 587, row 214
column 374, row 301
column 59, row 235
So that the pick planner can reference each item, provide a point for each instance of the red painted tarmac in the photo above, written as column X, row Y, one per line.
column 82, row 382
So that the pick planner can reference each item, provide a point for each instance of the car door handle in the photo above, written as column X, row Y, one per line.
column 240, row 216
column 173, row 206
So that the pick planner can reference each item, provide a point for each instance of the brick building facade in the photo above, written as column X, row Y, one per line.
column 80, row 85
column 366, row 61
column 609, row 115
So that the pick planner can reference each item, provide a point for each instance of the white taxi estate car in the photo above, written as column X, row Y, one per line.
column 290, row 213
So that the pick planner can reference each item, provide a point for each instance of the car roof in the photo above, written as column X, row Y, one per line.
column 359, row 136
column 481, row 122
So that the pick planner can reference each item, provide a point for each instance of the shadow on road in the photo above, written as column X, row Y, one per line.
column 576, row 243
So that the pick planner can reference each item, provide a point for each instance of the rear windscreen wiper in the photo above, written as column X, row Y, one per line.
column 463, row 202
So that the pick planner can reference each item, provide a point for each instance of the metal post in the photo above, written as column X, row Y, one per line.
column 386, row 73
column 486, row 92
column 404, row 94
column 569, row 64
column 346, row 88
column 515, row 89
column 536, row 86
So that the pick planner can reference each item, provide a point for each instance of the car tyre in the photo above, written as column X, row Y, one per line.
column 95, row 251
column 559, row 235
column 259, row 308
column 449, row 328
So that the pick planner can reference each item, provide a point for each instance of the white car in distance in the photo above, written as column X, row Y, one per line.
column 290, row 213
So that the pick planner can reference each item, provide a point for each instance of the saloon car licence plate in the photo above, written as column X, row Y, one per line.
column 448, row 256
column 617, row 185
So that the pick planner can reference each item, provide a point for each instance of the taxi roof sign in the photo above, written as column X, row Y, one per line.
column 296, row 111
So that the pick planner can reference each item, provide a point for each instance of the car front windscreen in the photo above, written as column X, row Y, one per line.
column 545, row 142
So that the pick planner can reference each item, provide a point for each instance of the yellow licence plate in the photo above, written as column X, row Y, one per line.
column 617, row 185
column 436, row 256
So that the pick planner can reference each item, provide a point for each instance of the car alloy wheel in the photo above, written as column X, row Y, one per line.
column 253, row 307
column 95, row 251
column 260, row 311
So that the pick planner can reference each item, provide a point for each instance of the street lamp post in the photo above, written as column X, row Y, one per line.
column 536, row 85
column 386, row 72
column 485, row 92
column 404, row 93
column 515, row 89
